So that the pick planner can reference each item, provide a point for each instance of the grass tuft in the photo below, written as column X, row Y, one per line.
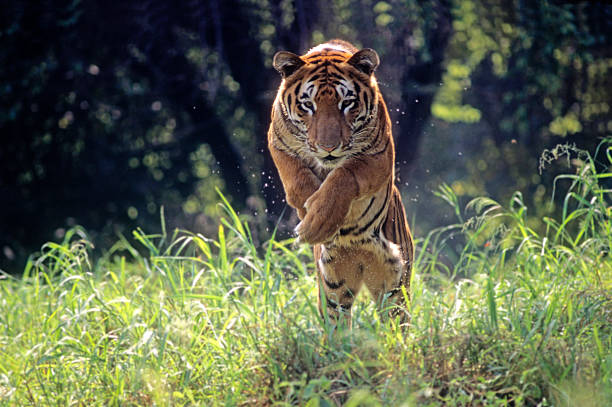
column 502, row 315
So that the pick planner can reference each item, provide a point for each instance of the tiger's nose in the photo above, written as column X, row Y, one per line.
column 328, row 147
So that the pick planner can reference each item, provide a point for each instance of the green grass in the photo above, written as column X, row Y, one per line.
column 515, row 317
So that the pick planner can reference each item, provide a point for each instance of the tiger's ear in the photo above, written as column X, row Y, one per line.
column 365, row 60
column 286, row 63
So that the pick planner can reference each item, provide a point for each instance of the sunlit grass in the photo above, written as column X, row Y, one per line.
column 515, row 317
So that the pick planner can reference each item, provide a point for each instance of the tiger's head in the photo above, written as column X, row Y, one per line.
column 330, row 96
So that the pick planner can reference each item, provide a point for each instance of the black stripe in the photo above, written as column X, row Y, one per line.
column 381, row 151
column 336, row 60
column 393, row 292
column 373, row 142
column 382, row 208
column 317, row 59
column 318, row 69
column 286, row 149
column 369, row 206
column 366, row 100
column 365, row 240
column 326, row 260
column 333, row 286
column 346, row 231
column 331, row 303
column 335, row 305
column 391, row 260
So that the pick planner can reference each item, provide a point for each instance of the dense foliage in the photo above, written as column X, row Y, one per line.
column 109, row 110
column 518, row 318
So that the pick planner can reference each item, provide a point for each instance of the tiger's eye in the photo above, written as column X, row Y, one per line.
column 308, row 104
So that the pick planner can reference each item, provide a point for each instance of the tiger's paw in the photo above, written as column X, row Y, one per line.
column 322, row 220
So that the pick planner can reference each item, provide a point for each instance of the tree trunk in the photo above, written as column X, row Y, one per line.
column 418, row 83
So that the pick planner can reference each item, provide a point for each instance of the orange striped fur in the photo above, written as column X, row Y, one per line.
column 331, row 141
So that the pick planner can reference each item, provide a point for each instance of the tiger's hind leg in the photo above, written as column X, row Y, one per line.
column 385, row 280
column 397, row 257
column 340, row 279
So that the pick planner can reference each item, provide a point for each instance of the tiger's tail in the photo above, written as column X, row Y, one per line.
column 396, row 230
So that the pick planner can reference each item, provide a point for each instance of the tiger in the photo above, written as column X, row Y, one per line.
column 331, row 142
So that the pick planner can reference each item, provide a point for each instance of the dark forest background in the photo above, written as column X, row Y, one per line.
column 111, row 109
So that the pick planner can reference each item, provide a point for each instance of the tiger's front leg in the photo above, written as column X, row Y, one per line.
column 388, row 283
column 325, row 211
column 299, row 182
column 328, row 206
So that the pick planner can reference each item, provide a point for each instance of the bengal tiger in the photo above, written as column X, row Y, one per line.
column 330, row 139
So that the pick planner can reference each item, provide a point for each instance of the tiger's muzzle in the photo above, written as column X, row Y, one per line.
column 328, row 131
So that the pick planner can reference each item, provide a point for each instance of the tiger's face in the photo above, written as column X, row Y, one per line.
column 329, row 96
